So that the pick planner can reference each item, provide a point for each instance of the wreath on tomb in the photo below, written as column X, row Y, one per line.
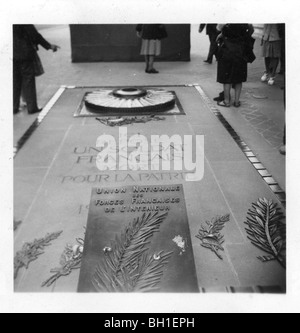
column 32, row 250
column 267, row 231
column 210, row 234
column 70, row 260
column 120, row 121
column 127, row 265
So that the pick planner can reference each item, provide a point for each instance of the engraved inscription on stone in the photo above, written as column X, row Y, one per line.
column 138, row 240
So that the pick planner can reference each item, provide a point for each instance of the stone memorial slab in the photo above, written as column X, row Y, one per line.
column 138, row 240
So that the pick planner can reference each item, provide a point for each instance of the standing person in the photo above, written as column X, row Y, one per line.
column 25, row 59
column 212, row 32
column 271, row 51
column 151, row 35
column 281, row 30
column 282, row 149
column 232, row 65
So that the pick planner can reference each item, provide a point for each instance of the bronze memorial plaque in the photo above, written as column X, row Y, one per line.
column 138, row 240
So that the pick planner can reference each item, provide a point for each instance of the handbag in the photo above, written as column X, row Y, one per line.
column 219, row 51
column 249, row 55
column 38, row 67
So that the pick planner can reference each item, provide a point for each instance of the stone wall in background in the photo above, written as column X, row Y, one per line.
column 119, row 42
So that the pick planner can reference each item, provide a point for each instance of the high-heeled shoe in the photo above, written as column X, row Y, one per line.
column 152, row 71
column 223, row 103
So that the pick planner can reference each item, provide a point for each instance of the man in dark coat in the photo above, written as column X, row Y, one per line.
column 25, row 45
column 212, row 32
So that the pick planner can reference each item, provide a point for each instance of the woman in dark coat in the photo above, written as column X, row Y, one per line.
column 151, row 35
column 232, row 64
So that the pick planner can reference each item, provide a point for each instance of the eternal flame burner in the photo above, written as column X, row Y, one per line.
column 130, row 100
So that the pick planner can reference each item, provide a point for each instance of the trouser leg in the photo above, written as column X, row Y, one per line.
column 17, row 86
column 212, row 48
column 29, row 87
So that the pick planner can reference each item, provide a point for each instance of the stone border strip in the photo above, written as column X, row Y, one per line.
column 37, row 121
column 250, row 289
column 259, row 167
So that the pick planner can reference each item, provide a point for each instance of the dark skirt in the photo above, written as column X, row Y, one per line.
column 232, row 67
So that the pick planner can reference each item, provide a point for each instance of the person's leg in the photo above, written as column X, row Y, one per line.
column 214, row 46
column 29, row 87
column 151, row 61
column 273, row 68
column 226, row 100
column 210, row 52
column 282, row 149
column 227, row 88
column 267, row 64
column 17, row 86
column 151, row 69
column 266, row 74
column 237, row 94
column 22, row 100
column 147, row 62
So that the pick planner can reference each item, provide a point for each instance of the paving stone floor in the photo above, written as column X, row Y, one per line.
column 66, row 183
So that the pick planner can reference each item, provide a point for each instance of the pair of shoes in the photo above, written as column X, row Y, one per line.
column 237, row 104
column 265, row 77
column 208, row 61
column 271, row 81
column 35, row 111
column 282, row 150
column 152, row 71
column 220, row 97
column 223, row 103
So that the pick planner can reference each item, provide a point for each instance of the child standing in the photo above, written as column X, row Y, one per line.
column 271, row 51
